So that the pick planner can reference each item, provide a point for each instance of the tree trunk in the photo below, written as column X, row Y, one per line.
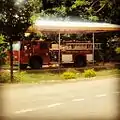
column 11, row 61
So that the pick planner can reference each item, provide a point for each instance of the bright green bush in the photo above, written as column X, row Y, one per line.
column 19, row 76
column 70, row 74
column 117, row 50
column 89, row 73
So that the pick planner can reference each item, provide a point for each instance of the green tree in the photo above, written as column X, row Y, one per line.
column 2, row 49
column 15, row 19
column 93, row 10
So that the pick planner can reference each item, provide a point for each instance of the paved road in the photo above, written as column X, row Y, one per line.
column 64, row 101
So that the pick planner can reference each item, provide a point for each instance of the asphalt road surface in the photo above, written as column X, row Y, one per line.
column 96, row 99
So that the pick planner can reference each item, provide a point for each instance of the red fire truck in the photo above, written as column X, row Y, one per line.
column 38, row 53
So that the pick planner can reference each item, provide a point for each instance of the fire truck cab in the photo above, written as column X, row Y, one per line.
column 35, row 54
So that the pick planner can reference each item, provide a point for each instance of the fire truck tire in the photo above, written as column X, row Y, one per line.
column 23, row 66
column 36, row 63
column 80, row 61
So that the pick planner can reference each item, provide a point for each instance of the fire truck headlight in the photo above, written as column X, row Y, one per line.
column 46, row 54
column 25, row 47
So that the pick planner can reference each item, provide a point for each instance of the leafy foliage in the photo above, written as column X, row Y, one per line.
column 18, row 77
column 89, row 73
column 70, row 74
column 3, row 47
column 93, row 10
column 2, row 38
column 15, row 17
column 4, row 77
column 117, row 50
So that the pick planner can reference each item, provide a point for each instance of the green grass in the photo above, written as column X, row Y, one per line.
column 110, row 72
column 46, row 76
column 38, row 77
column 105, row 74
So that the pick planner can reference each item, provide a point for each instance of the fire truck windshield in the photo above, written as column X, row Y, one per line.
column 16, row 46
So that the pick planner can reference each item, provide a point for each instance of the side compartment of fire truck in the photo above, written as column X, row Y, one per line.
column 68, row 56
column 77, row 53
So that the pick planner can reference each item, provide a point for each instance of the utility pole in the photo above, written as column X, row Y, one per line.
column 59, row 54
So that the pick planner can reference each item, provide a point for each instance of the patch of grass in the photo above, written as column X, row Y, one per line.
column 37, row 78
column 5, row 77
column 108, row 72
column 25, row 77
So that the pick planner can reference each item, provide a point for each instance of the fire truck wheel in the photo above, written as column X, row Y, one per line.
column 36, row 63
column 23, row 66
column 80, row 61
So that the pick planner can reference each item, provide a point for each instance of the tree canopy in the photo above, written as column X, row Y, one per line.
column 15, row 17
column 93, row 10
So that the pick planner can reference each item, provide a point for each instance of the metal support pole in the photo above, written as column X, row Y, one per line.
column 93, row 47
column 59, row 60
column 11, row 61
column 19, row 57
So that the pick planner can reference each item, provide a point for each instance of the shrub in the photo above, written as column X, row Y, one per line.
column 5, row 77
column 89, row 73
column 117, row 50
column 19, row 76
column 70, row 74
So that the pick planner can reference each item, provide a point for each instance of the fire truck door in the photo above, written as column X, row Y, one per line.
column 25, row 53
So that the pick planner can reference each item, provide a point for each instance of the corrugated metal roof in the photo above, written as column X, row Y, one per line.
column 72, row 27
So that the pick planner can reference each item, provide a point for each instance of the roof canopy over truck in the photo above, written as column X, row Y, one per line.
column 72, row 27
